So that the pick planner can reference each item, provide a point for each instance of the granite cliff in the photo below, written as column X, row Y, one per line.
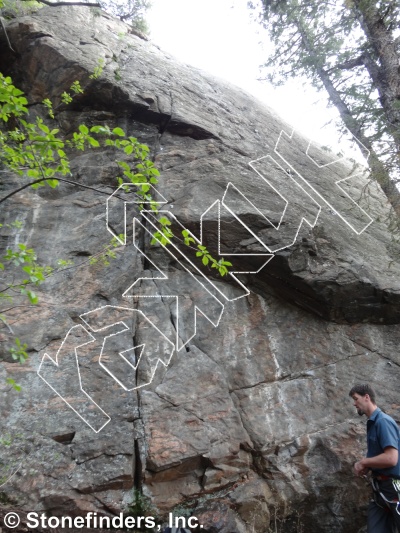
column 238, row 411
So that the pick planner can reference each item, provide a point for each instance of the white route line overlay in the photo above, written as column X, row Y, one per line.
column 227, row 254
column 283, row 132
column 134, row 367
column 193, row 265
column 137, row 201
column 56, row 362
column 277, row 227
column 163, row 276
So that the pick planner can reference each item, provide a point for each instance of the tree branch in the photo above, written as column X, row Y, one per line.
column 378, row 169
column 373, row 69
column 58, row 179
column 62, row 3
column 350, row 64
column 6, row 34
column 7, row 325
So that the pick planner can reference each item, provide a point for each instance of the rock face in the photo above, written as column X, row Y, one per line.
column 238, row 411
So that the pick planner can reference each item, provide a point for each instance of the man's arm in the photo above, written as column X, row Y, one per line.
column 387, row 459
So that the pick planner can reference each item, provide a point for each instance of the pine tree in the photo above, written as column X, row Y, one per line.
column 350, row 50
column 130, row 11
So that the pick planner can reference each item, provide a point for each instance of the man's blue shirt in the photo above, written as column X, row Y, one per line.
column 382, row 431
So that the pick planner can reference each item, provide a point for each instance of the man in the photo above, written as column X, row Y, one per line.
column 383, row 461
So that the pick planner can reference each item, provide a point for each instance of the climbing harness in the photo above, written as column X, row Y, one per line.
column 389, row 503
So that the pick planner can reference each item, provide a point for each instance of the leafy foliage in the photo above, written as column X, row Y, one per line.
column 132, row 11
column 18, row 8
column 18, row 352
column 350, row 49
column 40, row 155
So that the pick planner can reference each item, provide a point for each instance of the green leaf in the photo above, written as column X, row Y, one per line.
column 167, row 232
column 98, row 69
column 118, row 131
column 101, row 129
column 124, row 165
column 128, row 149
column 32, row 297
column 205, row 260
column 93, row 142
column 33, row 173
column 83, row 129
column 42, row 126
column 13, row 384
column 76, row 87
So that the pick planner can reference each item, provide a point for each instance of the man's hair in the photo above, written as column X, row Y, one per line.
column 362, row 389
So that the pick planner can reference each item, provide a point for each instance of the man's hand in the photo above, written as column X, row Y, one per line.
column 387, row 459
column 360, row 469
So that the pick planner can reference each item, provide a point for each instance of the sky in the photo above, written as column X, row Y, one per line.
column 220, row 37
